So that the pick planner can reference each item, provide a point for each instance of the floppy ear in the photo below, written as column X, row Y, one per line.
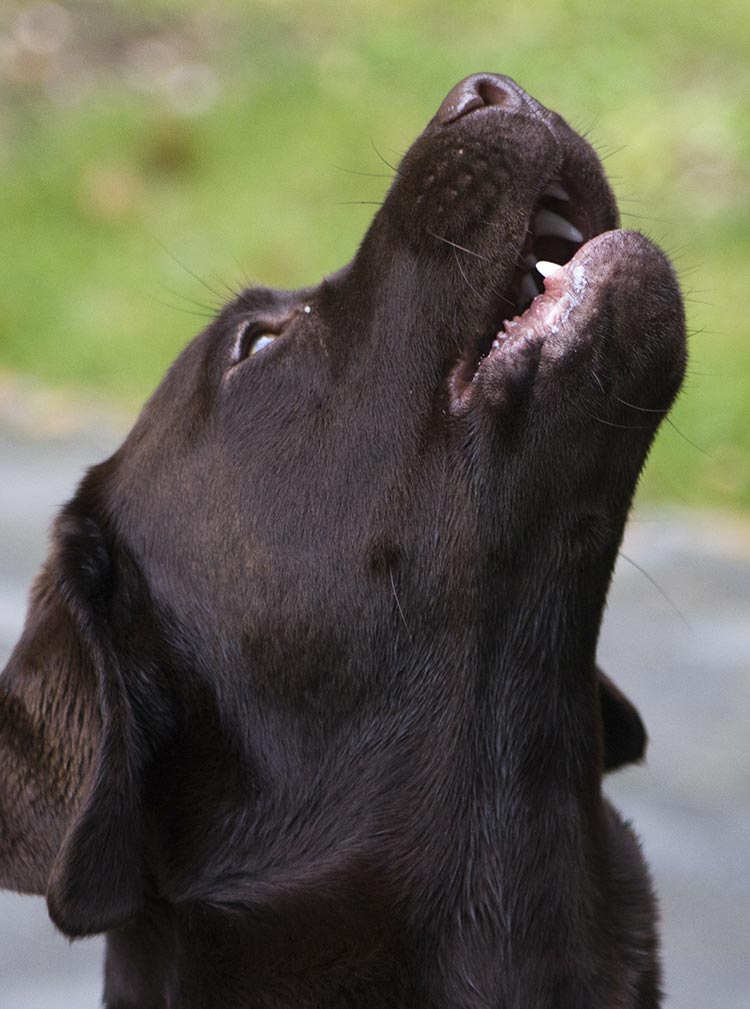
column 71, row 769
column 625, row 736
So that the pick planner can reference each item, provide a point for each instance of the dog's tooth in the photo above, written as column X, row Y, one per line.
column 546, row 268
column 528, row 287
column 547, row 222
column 556, row 190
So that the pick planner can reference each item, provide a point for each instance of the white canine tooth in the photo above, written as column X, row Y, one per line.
column 556, row 190
column 547, row 222
column 546, row 268
column 528, row 287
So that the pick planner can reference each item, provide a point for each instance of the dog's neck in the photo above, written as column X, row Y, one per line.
column 490, row 773
column 524, row 842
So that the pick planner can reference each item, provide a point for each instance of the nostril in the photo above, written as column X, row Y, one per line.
column 492, row 94
column 479, row 91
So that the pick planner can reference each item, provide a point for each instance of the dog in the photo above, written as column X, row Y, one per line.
column 306, row 709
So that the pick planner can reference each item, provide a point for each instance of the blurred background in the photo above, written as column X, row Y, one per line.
column 154, row 156
column 157, row 155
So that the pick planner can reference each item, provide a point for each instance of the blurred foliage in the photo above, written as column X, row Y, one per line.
column 156, row 155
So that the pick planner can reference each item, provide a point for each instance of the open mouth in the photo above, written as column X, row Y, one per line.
column 561, row 223
column 558, row 227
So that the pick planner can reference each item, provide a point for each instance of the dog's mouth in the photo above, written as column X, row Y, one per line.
column 559, row 225
column 547, row 282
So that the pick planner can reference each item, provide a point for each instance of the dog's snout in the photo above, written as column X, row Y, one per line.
column 480, row 91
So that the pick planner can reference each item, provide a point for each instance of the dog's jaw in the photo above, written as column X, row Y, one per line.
column 496, row 184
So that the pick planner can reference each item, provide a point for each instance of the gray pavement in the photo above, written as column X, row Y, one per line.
column 685, row 660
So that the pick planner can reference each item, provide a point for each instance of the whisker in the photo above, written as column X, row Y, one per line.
column 182, row 309
column 622, row 427
column 605, row 154
column 243, row 273
column 455, row 245
column 646, row 409
column 644, row 217
column 658, row 588
column 686, row 439
column 663, row 410
column 212, row 309
column 385, row 162
column 463, row 274
column 643, row 409
column 587, row 131
column 493, row 290
column 354, row 171
column 187, row 270
column 234, row 293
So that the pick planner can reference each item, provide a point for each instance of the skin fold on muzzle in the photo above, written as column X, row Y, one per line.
column 306, row 709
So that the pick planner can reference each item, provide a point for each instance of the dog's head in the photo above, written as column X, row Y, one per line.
column 347, row 523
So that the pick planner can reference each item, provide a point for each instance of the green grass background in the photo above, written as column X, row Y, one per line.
column 120, row 216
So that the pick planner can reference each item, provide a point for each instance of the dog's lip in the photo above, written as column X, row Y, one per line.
column 564, row 291
column 553, row 321
column 567, row 290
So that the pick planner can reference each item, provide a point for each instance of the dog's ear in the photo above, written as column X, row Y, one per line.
column 71, row 759
column 625, row 736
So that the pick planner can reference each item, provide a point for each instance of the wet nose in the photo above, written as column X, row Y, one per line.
column 479, row 91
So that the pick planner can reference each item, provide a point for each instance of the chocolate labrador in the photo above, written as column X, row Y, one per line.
column 306, row 711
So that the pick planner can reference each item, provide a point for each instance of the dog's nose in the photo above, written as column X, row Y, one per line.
column 478, row 91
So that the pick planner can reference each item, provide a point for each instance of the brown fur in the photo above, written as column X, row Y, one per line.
column 306, row 710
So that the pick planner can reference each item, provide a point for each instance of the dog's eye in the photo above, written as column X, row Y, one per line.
column 250, row 339
column 260, row 342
